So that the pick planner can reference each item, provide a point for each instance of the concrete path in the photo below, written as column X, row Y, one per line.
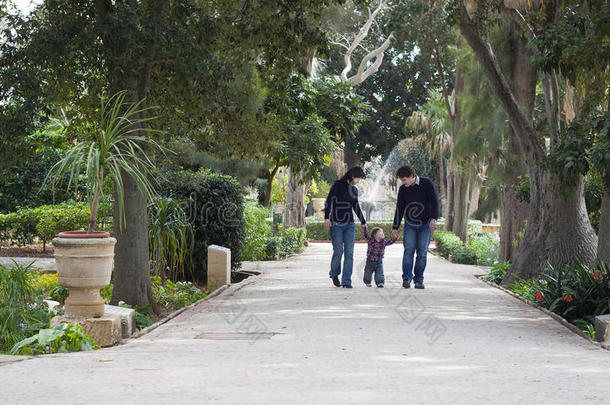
column 42, row 264
column 289, row 337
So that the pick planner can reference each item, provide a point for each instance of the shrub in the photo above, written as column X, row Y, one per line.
column 63, row 338
column 257, row 230
column 176, row 295
column 215, row 207
column 46, row 221
column 20, row 315
column 498, row 272
column 482, row 248
column 293, row 240
column 576, row 291
column 486, row 248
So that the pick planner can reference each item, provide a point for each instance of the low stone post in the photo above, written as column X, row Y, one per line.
column 219, row 266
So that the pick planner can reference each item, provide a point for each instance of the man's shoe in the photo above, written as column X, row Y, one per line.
column 380, row 286
column 336, row 281
column 347, row 286
column 406, row 284
column 419, row 286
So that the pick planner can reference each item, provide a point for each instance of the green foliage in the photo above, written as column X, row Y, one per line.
column 112, row 146
column 257, row 230
column 525, row 288
column 176, row 295
column 498, row 272
column 106, row 293
column 215, row 208
column 288, row 242
column 20, row 316
column 171, row 237
column 482, row 249
column 486, row 248
column 45, row 222
column 594, row 192
column 19, row 180
column 576, row 291
column 63, row 338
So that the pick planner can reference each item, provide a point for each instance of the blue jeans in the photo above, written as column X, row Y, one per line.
column 342, row 237
column 373, row 267
column 416, row 238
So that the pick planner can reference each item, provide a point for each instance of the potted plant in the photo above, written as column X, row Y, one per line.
column 110, row 147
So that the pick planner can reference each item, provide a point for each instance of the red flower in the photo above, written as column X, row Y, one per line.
column 539, row 296
column 567, row 297
column 598, row 276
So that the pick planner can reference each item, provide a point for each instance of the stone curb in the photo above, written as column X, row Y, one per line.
column 572, row 328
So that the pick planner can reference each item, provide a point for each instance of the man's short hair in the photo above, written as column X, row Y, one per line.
column 405, row 171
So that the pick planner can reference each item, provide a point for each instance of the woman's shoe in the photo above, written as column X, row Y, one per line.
column 336, row 281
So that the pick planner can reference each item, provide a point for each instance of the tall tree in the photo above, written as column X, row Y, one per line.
column 544, row 241
column 197, row 60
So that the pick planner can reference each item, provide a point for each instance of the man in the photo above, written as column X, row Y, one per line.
column 418, row 203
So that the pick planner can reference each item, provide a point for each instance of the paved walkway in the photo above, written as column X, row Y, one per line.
column 289, row 337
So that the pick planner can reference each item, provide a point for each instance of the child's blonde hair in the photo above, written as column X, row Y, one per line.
column 375, row 230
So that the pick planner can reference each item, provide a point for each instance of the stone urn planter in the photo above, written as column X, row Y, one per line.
column 318, row 204
column 84, row 265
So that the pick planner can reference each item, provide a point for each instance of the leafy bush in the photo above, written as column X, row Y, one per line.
column 171, row 238
column 17, row 182
column 293, row 240
column 20, row 314
column 176, row 295
column 215, row 207
column 525, row 288
column 290, row 241
column 486, row 248
column 576, row 291
column 482, row 248
column 63, row 338
column 257, row 230
column 498, row 272
column 46, row 221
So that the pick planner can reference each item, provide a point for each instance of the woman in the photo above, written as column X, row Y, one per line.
column 341, row 202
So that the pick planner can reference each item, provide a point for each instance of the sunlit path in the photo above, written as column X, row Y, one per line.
column 290, row 337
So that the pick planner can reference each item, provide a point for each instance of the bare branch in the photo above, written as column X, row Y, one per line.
column 364, row 72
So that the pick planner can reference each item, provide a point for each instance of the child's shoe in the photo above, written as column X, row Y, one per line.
column 379, row 285
column 368, row 285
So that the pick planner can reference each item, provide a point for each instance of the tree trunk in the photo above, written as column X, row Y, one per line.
column 131, row 256
column 477, row 185
column 451, row 195
column 603, row 247
column 461, row 206
column 270, row 175
column 442, row 187
column 552, row 217
column 294, row 214
column 514, row 212
column 352, row 158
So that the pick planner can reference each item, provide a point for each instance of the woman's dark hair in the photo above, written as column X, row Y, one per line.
column 354, row 172
column 405, row 171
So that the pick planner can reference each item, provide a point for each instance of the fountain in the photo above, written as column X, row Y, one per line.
column 377, row 197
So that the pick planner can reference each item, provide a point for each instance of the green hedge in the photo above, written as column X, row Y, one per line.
column 45, row 222
column 215, row 205
column 482, row 249
column 316, row 230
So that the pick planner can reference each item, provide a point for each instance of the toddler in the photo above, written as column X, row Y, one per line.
column 374, row 255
